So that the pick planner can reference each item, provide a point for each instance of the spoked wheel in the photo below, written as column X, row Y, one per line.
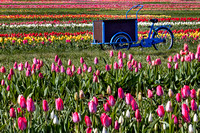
column 121, row 41
column 166, row 35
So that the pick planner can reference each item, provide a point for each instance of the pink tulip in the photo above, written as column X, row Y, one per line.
column 62, row 69
column 121, row 63
column 182, row 59
column 35, row 61
column 111, row 100
column 130, row 57
column 175, row 119
column 22, row 123
column 20, row 67
column 193, row 105
column 178, row 56
column 158, row 61
column 59, row 104
column 120, row 93
column 159, row 90
column 135, row 64
column 69, row 72
column 105, row 120
column 59, row 62
column 9, row 76
column 175, row 59
column 45, row 106
column 33, row 66
column 28, row 73
column 38, row 67
column 11, row 71
column 56, row 58
column 84, row 68
column 116, row 66
column 192, row 56
column 193, row 93
column 178, row 97
column 185, row 113
column 176, row 66
column 79, row 71
column 75, row 117
column 26, row 64
column 2, row 69
column 106, row 107
column 185, row 91
column 148, row 58
column 137, row 115
column 96, row 61
column 95, row 79
column 116, row 126
column 2, row 82
column 169, row 65
column 30, row 105
column 22, row 101
column 124, row 56
column 89, row 130
column 111, row 54
column 188, row 58
column 160, row 111
column 150, row 93
column 139, row 65
column 12, row 113
column 8, row 88
column 136, row 69
column 57, row 69
column 92, row 107
column 107, row 67
column 88, row 122
column 134, row 105
column 185, row 47
column 15, row 65
column 129, row 98
column 19, row 110
column 169, row 107
column 69, row 62
column 130, row 67
column 81, row 60
column 95, row 100
column 52, row 67
column 97, row 72
column 119, row 55
column 90, row 69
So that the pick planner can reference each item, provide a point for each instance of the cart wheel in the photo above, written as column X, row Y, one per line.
column 121, row 41
column 167, row 35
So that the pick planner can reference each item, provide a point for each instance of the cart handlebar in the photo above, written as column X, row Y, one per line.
column 141, row 6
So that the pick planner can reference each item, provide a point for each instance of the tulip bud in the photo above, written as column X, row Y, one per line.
column 178, row 97
column 150, row 119
column 76, row 96
column 140, row 96
column 52, row 114
column 116, row 125
column 109, row 90
column 156, row 127
column 104, row 130
column 96, row 60
column 45, row 106
column 8, row 88
column 69, row 62
column 75, row 117
column 195, row 118
column 12, row 113
column 169, row 107
column 55, row 120
column 190, row 129
column 150, row 93
column 81, row 60
column 59, row 104
column 170, row 93
column 22, row 123
column 121, row 119
column 81, row 94
column 159, row 90
column 106, row 107
column 95, row 130
column 128, row 114
column 30, row 105
column 198, row 93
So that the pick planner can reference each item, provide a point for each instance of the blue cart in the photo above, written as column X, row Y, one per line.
column 123, row 33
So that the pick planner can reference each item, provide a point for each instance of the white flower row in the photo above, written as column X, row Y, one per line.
column 90, row 25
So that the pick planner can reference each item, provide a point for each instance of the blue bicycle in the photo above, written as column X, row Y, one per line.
column 123, row 33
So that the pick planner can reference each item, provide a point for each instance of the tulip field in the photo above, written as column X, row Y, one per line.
column 54, row 80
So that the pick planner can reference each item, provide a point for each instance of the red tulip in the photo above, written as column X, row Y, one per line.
column 8, row 88
column 150, row 93
column 182, row 59
column 11, row 71
column 69, row 62
column 3, row 69
column 45, row 106
column 105, row 120
column 116, row 125
column 59, row 104
column 107, row 67
column 97, row 72
column 158, row 61
column 188, row 58
column 129, row 98
column 19, row 110
column 69, row 72
column 56, row 58
column 178, row 56
column 111, row 100
column 75, row 117
column 22, row 101
column 175, row 119
column 79, row 71
column 81, row 60
column 134, row 105
column 148, row 58
column 57, row 69
column 95, row 79
column 185, row 113
column 137, row 115
column 185, row 47
column 159, row 90
column 119, row 55
column 89, row 130
column 40, row 75
column 185, row 91
column 30, row 105
column 22, row 123
column 106, row 107
column 116, row 66
column 59, row 62
column 124, row 55
column 88, row 122
column 130, row 57
column 175, row 59
column 92, row 107
column 111, row 54
column 120, row 93
column 169, row 65
column 160, row 111
column 193, row 93
column 193, row 105
column 12, row 113
column 178, row 97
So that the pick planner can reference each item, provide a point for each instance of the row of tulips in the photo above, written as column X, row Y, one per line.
column 125, row 96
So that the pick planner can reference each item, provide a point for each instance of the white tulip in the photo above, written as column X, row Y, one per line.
column 128, row 114
column 104, row 130
column 52, row 115
column 95, row 130
column 164, row 127
column 195, row 118
column 121, row 120
column 55, row 120
column 150, row 118
column 169, row 107
column 186, row 102
column 191, row 130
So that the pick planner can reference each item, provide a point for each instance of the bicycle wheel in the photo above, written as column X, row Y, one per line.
column 167, row 36
column 120, row 41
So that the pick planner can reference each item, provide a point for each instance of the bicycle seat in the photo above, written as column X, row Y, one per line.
column 154, row 20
